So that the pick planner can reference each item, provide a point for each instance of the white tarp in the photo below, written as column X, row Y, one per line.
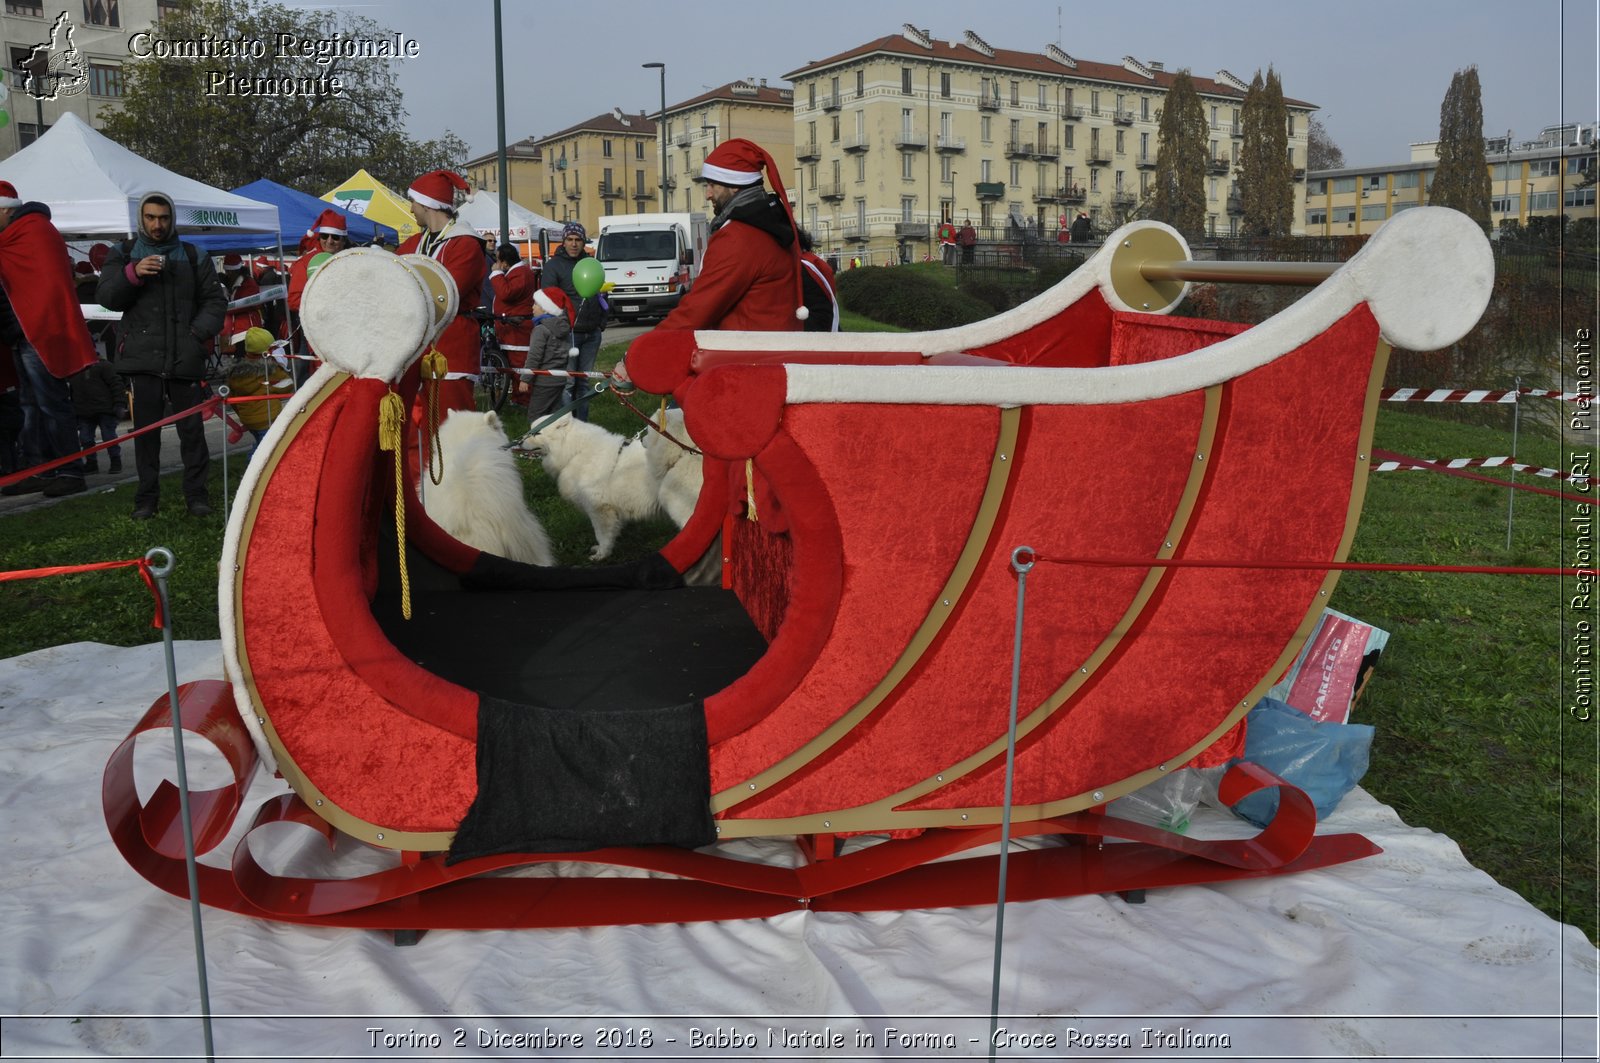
column 1412, row 952
column 482, row 212
column 93, row 185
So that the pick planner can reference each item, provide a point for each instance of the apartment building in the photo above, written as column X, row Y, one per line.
column 90, row 86
column 750, row 109
column 604, row 166
column 894, row 136
column 1538, row 177
column 525, row 181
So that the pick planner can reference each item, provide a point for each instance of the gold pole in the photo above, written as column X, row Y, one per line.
column 1239, row 272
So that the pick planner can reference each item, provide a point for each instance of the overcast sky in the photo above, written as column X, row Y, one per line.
column 1378, row 69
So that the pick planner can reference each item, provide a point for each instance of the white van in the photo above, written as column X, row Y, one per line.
column 650, row 260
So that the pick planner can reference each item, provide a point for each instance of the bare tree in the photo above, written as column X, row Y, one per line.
column 1321, row 152
column 279, row 111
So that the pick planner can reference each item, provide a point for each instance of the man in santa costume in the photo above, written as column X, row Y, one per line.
column 42, row 326
column 513, row 285
column 459, row 249
column 751, row 279
column 329, row 234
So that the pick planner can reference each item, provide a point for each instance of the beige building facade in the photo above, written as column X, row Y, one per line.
column 1542, row 177
column 604, row 166
column 524, row 172
column 897, row 135
column 90, row 85
column 750, row 109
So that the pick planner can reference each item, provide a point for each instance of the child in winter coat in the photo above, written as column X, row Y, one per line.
column 548, row 348
column 98, row 399
column 260, row 372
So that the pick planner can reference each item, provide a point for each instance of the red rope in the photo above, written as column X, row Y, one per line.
column 1331, row 566
column 158, row 622
column 1389, row 455
column 208, row 406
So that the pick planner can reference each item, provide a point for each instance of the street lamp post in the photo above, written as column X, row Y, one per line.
column 661, row 127
column 713, row 128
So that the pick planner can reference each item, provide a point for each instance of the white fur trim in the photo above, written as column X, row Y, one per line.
column 7, row 202
column 1426, row 275
column 429, row 201
column 547, row 304
column 331, row 230
column 371, row 313
column 737, row 178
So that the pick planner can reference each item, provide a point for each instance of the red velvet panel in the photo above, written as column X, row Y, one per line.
column 315, row 653
column 1078, row 336
column 905, row 482
column 1279, row 488
column 1071, row 493
column 1139, row 338
column 691, row 543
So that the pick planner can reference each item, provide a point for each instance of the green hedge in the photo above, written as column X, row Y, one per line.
column 908, row 298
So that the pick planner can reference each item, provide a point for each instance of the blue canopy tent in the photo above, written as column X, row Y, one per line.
column 296, row 212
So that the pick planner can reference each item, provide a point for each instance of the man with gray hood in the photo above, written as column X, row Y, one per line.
column 172, row 307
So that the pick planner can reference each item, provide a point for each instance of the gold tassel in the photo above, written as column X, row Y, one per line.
column 434, row 368
column 661, row 415
column 391, row 437
column 750, row 489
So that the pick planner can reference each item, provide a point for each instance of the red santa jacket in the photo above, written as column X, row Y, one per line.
column 237, row 322
column 513, row 294
column 36, row 273
column 460, row 251
column 746, row 284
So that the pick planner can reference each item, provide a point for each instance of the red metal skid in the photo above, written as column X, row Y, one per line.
column 423, row 892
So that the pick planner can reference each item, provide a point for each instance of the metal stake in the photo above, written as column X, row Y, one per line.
column 1511, row 492
column 223, row 392
column 160, row 559
column 1022, row 560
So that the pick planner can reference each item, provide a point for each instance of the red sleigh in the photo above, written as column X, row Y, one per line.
column 855, row 677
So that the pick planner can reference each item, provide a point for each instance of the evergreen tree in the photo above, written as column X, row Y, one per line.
column 1179, row 196
column 1266, row 176
column 1462, row 178
column 229, row 121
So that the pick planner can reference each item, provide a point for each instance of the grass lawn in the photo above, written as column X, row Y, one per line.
column 1473, row 739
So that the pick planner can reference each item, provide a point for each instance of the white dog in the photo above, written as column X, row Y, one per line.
column 615, row 479
column 478, row 499
column 677, row 471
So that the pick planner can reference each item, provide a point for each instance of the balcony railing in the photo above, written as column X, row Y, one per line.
column 642, row 194
column 549, row 200
column 830, row 102
column 854, row 231
column 1097, row 157
column 682, row 140
column 909, row 140
column 611, row 191
column 911, row 230
column 671, row 183
column 574, row 193
column 1043, row 150
column 1123, row 200
column 1235, row 205
column 1071, row 113
column 989, row 189
column 807, row 151
column 831, row 191
column 1045, row 194
column 1122, row 117
column 860, row 142
column 951, row 144
column 1218, row 164
column 1073, row 194
column 1019, row 149
column 1145, row 161
column 987, row 102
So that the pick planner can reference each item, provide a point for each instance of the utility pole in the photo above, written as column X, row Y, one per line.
column 661, row 126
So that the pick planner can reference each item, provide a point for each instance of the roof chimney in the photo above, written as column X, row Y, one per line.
column 978, row 44
column 1225, row 78
column 916, row 36
column 1054, row 52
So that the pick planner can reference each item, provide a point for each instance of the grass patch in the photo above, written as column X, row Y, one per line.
column 1472, row 737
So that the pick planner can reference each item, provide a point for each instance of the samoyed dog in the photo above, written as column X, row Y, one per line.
column 478, row 499
column 676, row 471
column 604, row 474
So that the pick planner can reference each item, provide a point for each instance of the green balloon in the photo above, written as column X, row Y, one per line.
column 588, row 276
column 316, row 263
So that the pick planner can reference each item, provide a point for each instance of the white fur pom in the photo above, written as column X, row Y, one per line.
column 572, row 352
column 802, row 312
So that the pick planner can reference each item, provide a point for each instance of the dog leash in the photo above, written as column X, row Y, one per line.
column 651, row 424
column 600, row 388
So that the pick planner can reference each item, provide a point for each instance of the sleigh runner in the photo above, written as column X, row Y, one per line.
column 853, row 677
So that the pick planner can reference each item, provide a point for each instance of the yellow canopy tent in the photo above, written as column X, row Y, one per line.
column 365, row 195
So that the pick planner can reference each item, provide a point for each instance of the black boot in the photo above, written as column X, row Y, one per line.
column 116, row 463
column 91, row 464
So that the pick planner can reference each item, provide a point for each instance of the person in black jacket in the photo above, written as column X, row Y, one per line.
column 591, row 313
column 172, row 307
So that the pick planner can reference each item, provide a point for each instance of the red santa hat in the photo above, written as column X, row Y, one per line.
column 231, row 260
column 331, row 222
column 8, row 195
column 437, row 189
column 98, row 255
column 83, row 269
column 739, row 162
column 555, row 301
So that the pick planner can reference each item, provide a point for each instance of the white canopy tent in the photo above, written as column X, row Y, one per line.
column 482, row 212
column 93, row 186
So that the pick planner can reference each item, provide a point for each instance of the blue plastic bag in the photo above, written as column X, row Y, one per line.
column 1326, row 760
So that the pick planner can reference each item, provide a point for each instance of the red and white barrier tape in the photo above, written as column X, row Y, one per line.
column 1479, row 395
column 579, row 373
column 1483, row 463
